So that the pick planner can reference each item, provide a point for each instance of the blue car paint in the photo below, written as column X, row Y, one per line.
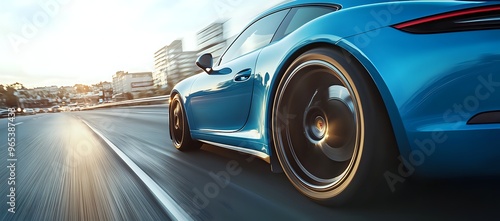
column 395, row 60
column 436, row 89
column 219, row 90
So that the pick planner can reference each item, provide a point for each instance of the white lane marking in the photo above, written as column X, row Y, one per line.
column 166, row 200
column 18, row 123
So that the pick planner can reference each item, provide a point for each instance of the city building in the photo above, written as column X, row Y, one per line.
column 211, row 40
column 160, row 72
column 181, row 66
column 44, row 97
column 103, row 90
column 48, row 91
column 173, row 64
column 125, row 82
column 67, row 91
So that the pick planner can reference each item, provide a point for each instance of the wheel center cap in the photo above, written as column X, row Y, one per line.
column 319, row 128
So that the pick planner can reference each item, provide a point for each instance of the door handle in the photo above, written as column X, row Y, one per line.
column 243, row 75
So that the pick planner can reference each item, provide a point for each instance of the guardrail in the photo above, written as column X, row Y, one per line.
column 140, row 101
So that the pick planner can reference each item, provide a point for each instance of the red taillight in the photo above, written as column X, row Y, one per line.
column 468, row 19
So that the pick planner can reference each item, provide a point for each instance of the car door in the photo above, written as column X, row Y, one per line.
column 221, row 100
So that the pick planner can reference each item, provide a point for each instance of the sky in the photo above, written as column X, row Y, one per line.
column 65, row 42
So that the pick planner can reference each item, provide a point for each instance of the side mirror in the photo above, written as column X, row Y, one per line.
column 205, row 62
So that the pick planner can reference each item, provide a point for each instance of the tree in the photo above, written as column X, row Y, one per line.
column 2, row 95
column 81, row 88
column 128, row 96
column 17, row 86
column 2, row 89
column 11, row 100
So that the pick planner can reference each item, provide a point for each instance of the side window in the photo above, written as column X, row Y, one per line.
column 300, row 16
column 256, row 36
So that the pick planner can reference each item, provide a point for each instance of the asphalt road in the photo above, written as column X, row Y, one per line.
column 65, row 171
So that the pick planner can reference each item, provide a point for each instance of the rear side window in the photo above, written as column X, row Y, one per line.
column 256, row 36
column 299, row 16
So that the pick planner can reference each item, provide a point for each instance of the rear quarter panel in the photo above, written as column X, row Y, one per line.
column 386, row 53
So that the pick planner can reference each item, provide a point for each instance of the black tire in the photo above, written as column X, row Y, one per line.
column 179, row 128
column 331, row 131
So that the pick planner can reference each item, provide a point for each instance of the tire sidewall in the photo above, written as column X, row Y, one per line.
column 366, row 156
column 176, row 101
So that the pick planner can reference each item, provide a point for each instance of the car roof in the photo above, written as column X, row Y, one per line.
column 343, row 3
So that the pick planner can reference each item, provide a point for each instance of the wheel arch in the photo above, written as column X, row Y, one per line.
column 177, row 90
column 383, row 92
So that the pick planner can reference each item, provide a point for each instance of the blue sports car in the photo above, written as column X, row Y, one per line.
column 351, row 97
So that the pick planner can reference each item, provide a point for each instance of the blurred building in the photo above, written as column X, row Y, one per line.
column 173, row 64
column 160, row 72
column 67, row 91
column 42, row 96
column 48, row 91
column 181, row 66
column 125, row 82
column 211, row 40
column 103, row 90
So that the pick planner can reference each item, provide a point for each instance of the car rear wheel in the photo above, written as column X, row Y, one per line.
column 331, row 131
column 179, row 128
